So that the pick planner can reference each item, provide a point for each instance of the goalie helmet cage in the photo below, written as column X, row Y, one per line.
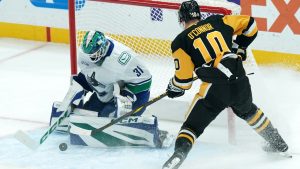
column 141, row 25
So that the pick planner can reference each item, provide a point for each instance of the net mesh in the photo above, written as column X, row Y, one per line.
column 146, row 30
column 88, row 18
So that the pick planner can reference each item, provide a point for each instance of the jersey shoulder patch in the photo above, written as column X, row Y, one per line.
column 124, row 58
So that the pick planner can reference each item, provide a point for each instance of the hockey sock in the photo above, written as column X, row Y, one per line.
column 262, row 125
column 185, row 140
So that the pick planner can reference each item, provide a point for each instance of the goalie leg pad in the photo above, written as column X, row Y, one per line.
column 63, row 127
column 132, row 131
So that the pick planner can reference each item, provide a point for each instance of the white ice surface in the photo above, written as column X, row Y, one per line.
column 34, row 74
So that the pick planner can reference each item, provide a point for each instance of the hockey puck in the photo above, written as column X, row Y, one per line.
column 63, row 147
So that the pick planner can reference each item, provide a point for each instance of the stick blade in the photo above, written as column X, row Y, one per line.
column 26, row 140
column 286, row 154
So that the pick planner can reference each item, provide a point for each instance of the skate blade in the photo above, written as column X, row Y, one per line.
column 286, row 154
column 172, row 164
column 282, row 154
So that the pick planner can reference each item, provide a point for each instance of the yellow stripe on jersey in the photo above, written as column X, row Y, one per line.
column 186, row 66
column 195, row 100
column 218, row 59
column 204, row 87
column 252, row 30
column 184, row 86
column 239, row 23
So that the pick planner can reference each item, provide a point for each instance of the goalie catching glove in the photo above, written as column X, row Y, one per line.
column 174, row 91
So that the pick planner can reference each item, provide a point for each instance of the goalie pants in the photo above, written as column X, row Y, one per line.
column 104, row 109
column 213, row 98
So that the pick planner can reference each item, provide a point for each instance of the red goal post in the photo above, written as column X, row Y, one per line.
column 129, row 22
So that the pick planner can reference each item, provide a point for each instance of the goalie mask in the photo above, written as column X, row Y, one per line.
column 95, row 45
column 188, row 10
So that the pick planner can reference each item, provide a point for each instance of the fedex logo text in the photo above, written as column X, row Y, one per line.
column 286, row 16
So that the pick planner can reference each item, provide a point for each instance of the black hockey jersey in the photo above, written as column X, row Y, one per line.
column 204, row 41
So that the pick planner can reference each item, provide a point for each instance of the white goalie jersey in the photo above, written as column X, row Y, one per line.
column 120, row 66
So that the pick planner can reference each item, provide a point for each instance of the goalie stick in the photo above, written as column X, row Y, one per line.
column 33, row 144
column 25, row 139
column 114, row 121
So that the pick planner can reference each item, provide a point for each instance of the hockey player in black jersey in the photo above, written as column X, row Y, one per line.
column 206, row 48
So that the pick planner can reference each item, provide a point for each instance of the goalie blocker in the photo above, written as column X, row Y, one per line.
column 134, row 131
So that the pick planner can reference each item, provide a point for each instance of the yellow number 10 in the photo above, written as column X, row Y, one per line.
column 217, row 42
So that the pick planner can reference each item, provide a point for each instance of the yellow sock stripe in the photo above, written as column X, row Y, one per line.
column 186, row 136
column 188, row 132
column 256, row 116
column 267, row 122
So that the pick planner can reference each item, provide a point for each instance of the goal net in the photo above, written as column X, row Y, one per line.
column 147, row 27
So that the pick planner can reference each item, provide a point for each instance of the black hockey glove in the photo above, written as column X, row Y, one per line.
column 174, row 91
column 241, row 51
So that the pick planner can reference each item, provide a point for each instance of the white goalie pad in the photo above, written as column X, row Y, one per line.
column 55, row 114
column 133, row 131
column 64, row 125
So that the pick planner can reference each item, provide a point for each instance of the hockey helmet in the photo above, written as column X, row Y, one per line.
column 189, row 10
column 95, row 45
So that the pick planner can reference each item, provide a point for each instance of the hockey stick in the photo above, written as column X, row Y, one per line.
column 114, row 121
column 31, row 143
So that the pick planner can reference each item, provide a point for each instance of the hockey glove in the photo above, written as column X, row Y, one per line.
column 240, row 51
column 174, row 91
column 124, row 100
